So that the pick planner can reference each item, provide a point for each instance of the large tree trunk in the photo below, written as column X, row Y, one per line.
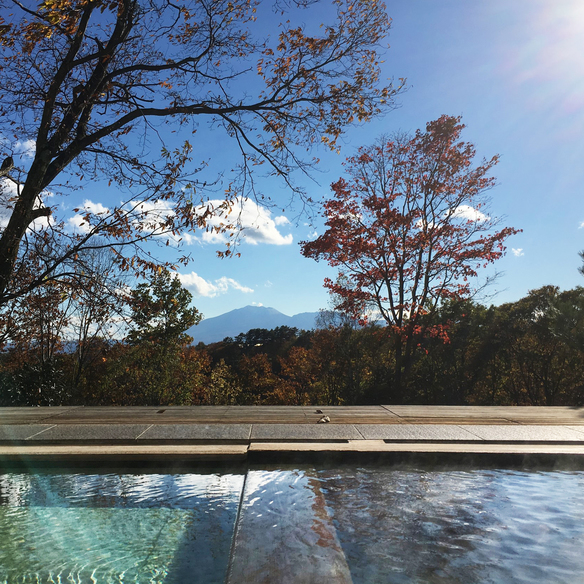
column 23, row 215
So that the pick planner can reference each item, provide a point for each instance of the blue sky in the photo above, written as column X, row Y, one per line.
column 514, row 71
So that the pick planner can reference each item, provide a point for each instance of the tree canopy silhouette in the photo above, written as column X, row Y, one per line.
column 408, row 228
column 98, row 87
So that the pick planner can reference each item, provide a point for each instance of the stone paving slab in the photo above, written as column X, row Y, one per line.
column 111, row 433
column 88, row 452
column 379, row 446
column 30, row 415
column 520, row 414
column 576, row 428
column 350, row 409
column 304, row 432
column 197, row 432
column 458, row 421
column 526, row 433
column 17, row 432
column 91, row 432
column 430, row 415
column 417, row 432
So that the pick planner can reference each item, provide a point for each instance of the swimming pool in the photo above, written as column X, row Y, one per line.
column 293, row 524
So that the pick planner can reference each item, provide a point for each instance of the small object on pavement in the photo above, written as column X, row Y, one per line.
column 318, row 412
column 324, row 420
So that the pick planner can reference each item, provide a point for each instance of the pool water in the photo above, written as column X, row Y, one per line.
column 293, row 525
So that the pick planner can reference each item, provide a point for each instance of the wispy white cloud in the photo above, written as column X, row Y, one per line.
column 256, row 223
column 213, row 237
column 469, row 213
column 517, row 252
column 78, row 222
column 26, row 148
column 95, row 208
column 201, row 287
column 21, row 148
column 281, row 220
column 581, row 226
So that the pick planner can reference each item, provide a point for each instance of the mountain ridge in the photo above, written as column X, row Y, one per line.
column 241, row 320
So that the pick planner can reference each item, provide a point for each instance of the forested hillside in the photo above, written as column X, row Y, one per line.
column 530, row 352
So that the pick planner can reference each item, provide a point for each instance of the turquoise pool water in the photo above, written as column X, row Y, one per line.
column 293, row 525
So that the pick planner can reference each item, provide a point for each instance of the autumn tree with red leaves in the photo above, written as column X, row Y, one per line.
column 99, row 86
column 408, row 228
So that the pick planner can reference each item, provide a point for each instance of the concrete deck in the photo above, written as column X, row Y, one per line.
column 217, row 433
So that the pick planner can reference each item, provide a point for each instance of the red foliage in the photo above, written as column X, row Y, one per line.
column 408, row 227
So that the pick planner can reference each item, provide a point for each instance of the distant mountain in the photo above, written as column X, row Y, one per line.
column 230, row 324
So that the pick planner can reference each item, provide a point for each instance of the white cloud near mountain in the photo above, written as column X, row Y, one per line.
column 198, row 286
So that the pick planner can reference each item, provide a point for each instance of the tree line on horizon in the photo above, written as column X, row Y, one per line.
column 529, row 352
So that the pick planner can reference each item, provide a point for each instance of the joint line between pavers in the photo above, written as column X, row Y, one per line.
column 49, row 428
column 470, row 432
column 56, row 415
column 359, row 431
column 142, row 433
column 391, row 411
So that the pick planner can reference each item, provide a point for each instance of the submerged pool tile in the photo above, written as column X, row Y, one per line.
column 197, row 432
column 407, row 432
column 304, row 432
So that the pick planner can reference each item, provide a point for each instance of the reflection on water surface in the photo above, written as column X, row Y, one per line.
column 295, row 525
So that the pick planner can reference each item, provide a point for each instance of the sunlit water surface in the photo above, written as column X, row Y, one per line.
column 74, row 528
column 296, row 525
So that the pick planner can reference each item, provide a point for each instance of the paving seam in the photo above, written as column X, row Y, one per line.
column 49, row 428
column 479, row 437
column 360, row 433
column 60, row 413
column 576, row 430
column 142, row 433
column 391, row 412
